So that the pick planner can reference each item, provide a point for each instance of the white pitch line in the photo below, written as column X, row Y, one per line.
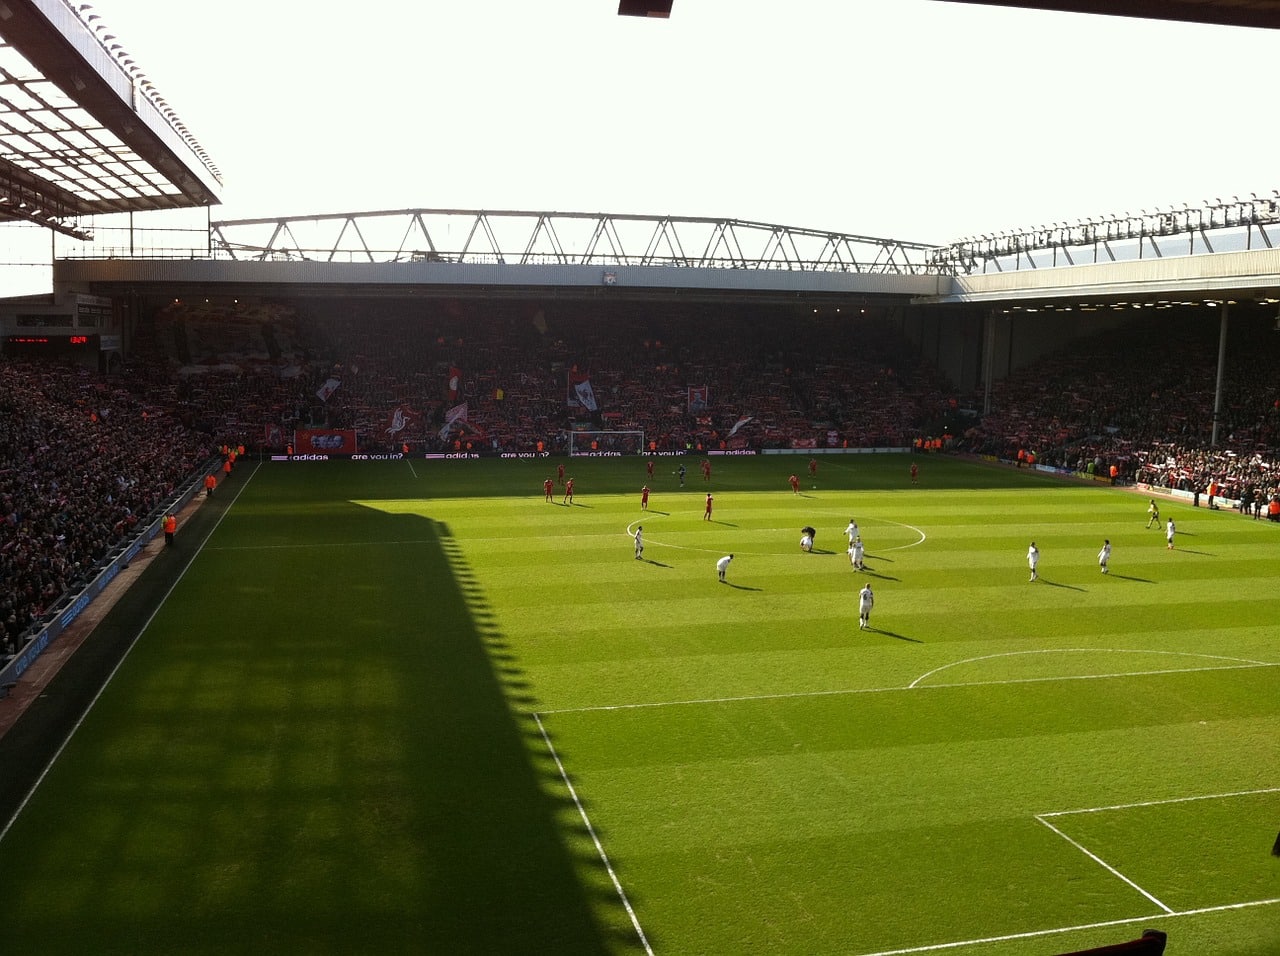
column 938, row 947
column 326, row 544
column 681, row 547
column 1104, row 864
column 586, row 820
column 693, row 702
column 119, row 664
column 1082, row 650
column 837, row 692
column 909, row 527
column 1041, row 680
column 1157, row 803
column 684, row 547
column 648, row 541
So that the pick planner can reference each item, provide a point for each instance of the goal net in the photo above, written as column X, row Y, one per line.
column 607, row 444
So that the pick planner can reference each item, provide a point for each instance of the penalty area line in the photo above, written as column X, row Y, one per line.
column 1033, row 934
column 1159, row 803
column 1104, row 864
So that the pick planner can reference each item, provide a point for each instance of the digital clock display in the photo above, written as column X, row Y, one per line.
column 35, row 345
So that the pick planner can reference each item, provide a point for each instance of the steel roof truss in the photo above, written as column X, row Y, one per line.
column 416, row 222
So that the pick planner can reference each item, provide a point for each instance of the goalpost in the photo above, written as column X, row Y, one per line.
column 608, row 444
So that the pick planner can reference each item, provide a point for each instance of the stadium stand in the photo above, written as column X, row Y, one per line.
column 83, row 462
column 1142, row 398
column 872, row 391
column 85, row 457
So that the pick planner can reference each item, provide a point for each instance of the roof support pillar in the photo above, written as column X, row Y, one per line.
column 1222, row 362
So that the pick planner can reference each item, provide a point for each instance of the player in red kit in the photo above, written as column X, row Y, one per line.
column 813, row 468
column 649, row 467
column 548, row 488
column 915, row 473
column 706, row 469
column 644, row 498
column 560, row 474
column 707, row 514
column 795, row 484
column 568, row 492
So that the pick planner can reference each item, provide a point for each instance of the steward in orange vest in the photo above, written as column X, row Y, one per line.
column 170, row 526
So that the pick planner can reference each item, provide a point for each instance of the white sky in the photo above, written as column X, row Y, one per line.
column 909, row 119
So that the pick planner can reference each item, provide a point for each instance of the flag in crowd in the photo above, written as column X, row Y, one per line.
column 582, row 392
column 699, row 398
column 455, row 383
column 328, row 388
column 399, row 420
column 453, row 416
column 745, row 419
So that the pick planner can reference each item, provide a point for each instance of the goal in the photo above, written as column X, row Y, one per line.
column 606, row 444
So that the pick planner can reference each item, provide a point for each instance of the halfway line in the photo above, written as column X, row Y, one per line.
column 1083, row 650
column 888, row 690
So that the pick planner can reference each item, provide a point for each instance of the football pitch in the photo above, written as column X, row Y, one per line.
column 414, row 707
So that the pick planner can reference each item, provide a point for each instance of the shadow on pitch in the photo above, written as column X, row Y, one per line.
column 1059, row 584
column 656, row 564
column 1204, row 554
column 1130, row 577
column 879, row 575
column 896, row 637
column 740, row 587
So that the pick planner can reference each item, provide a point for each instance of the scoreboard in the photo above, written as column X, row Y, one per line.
column 40, row 344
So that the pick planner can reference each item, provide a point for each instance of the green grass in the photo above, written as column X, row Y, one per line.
column 355, row 724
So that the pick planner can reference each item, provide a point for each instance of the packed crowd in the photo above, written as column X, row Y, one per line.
column 1141, row 398
column 517, row 366
column 85, row 457
column 83, row 460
